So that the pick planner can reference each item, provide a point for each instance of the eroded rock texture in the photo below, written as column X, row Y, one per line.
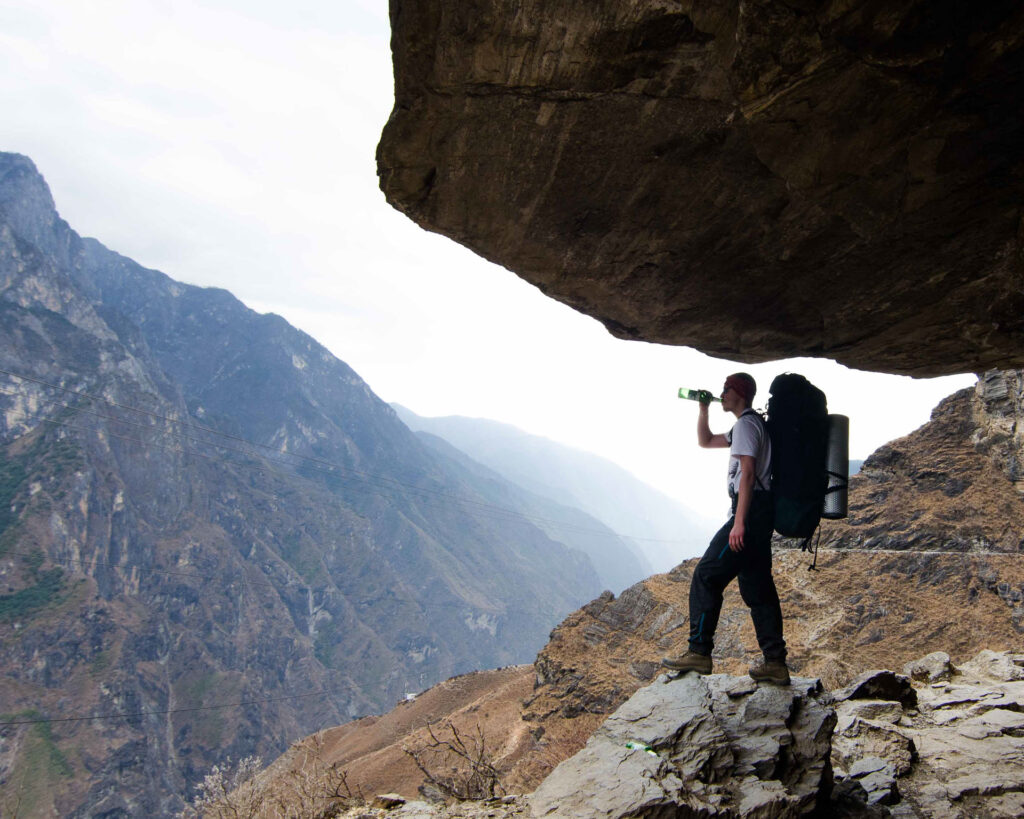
column 756, row 179
column 953, row 485
column 715, row 746
column 958, row 751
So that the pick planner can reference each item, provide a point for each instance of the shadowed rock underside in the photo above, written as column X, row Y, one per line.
column 754, row 179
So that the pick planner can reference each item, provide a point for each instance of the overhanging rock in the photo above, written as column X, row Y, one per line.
column 753, row 178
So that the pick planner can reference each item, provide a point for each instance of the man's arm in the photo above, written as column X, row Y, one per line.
column 705, row 438
column 748, row 467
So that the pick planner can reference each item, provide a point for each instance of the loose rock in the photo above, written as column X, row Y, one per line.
column 932, row 668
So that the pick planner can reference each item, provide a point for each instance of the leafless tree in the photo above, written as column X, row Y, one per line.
column 458, row 764
column 310, row 789
column 228, row 792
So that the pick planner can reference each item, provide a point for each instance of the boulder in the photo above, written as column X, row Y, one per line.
column 1002, row 666
column 931, row 668
column 708, row 746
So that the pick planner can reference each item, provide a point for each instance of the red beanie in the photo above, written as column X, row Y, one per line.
column 744, row 384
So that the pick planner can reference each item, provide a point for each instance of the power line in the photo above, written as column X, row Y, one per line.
column 331, row 467
column 165, row 711
column 321, row 464
column 842, row 549
column 485, row 510
column 327, row 692
column 204, row 580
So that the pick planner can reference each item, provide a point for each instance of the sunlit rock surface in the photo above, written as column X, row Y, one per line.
column 701, row 746
column 754, row 179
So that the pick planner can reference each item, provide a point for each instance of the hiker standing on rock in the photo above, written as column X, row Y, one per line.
column 742, row 548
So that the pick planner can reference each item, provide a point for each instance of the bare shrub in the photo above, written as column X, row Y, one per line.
column 459, row 765
column 228, row 792
column 309, row 789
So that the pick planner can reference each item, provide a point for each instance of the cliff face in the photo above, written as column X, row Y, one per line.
column 757, row 179
column 953, row 485
column 201, row 507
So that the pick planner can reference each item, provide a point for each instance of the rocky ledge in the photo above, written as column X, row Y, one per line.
column 701, row 746
column 957, row 752
column 936, row 740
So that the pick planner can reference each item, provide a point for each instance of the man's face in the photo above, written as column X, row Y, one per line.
column 731, row 400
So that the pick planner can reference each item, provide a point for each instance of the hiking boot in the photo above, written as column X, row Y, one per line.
column 690, row 661
column 770, row 671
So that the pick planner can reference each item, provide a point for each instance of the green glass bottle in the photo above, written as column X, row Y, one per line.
column 704, row 396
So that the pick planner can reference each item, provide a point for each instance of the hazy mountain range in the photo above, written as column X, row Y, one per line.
column 653, row 524
column 215, row 538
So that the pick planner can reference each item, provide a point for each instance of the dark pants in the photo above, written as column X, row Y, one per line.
column 753, row 568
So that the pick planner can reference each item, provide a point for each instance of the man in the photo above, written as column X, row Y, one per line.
column 743, row 547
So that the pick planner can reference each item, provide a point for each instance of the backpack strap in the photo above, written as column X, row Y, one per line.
column 806, row 547
column 764, row 429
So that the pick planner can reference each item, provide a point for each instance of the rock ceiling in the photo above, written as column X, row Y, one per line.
column 753, row 179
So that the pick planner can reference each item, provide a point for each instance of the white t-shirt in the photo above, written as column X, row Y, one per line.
column 749, row 437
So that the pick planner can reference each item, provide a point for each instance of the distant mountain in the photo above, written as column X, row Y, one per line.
column 656, row 526
column 616, row 561
column 214, row 537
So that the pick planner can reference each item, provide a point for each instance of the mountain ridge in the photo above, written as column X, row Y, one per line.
column 214, row 528
column 657, row 526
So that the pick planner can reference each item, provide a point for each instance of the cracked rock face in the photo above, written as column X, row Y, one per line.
column 957, row 752
column 752, row 178
column 707, row 746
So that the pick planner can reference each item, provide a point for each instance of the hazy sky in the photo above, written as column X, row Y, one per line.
column 231, row 144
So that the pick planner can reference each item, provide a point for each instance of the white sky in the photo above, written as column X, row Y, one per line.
column 231, row 144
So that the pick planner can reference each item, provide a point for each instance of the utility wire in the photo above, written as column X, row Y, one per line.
column 320, row 463
column 485, row 510
column 205, row 581
column 842, row 549
column 326, row 692
column 495, row 513
column 504, row 512
column 161, row 712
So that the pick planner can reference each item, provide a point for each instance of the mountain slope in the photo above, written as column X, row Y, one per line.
column 616, row 564
column 656, row 526
column 947, row 578
column 214, row 537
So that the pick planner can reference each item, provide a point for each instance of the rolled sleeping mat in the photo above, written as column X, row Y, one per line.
column 837, row 463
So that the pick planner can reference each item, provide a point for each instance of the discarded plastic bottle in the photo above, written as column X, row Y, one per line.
column 633, row 745
column 704, row 396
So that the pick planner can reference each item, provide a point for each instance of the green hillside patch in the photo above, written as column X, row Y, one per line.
column 46, row 462
column 302, row 555
column 44, row 593
column 37, row 770
column 12, row 476
column 206, row 690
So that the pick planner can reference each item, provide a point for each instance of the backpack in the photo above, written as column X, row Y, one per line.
column 798, row 425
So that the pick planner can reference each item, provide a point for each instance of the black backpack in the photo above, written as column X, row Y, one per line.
column 798, row 427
